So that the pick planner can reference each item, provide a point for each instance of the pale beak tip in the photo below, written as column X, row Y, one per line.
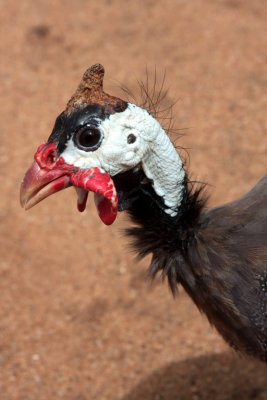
column 23, row 196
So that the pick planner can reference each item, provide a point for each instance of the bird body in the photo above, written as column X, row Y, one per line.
column 120, row 152
column 233, row 242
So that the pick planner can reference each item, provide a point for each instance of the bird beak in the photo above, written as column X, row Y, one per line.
column 39, row 183
column 50, row 174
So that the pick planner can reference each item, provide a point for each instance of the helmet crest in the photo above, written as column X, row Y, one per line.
column 90, row 91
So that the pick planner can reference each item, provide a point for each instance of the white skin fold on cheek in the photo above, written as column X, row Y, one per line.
column 116, row 154
column 79, row 158
column 116, row 161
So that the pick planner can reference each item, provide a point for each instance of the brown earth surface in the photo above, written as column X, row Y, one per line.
column 78, row 318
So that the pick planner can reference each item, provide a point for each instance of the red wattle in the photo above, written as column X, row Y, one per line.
column 82, row 199
column 105, row 193
column 106, row 211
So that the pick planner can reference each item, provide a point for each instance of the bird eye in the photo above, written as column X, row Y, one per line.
column 88, row 138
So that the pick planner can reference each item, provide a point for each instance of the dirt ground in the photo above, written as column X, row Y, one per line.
column 78, row 318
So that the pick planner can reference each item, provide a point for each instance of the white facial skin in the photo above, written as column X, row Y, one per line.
column 152, row 150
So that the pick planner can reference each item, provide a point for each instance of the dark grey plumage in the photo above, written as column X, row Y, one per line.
column 219, row 256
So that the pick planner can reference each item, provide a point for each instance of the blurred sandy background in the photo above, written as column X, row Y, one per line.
column 78, row 319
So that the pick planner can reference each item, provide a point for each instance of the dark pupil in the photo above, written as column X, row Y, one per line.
column 88, row 138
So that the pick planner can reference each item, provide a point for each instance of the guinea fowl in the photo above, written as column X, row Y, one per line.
column 120, row 152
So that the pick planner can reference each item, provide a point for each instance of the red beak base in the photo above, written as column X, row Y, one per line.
column 50, row 174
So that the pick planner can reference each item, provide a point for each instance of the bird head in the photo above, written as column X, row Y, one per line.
column 96, row 140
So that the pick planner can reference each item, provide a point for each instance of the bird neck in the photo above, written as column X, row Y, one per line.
column 160, row 200
column 163, row 166
column 164, row 236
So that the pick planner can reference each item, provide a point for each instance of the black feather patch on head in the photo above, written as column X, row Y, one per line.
column 66, row 125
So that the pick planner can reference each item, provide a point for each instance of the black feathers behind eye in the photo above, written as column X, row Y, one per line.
column 88, row 138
